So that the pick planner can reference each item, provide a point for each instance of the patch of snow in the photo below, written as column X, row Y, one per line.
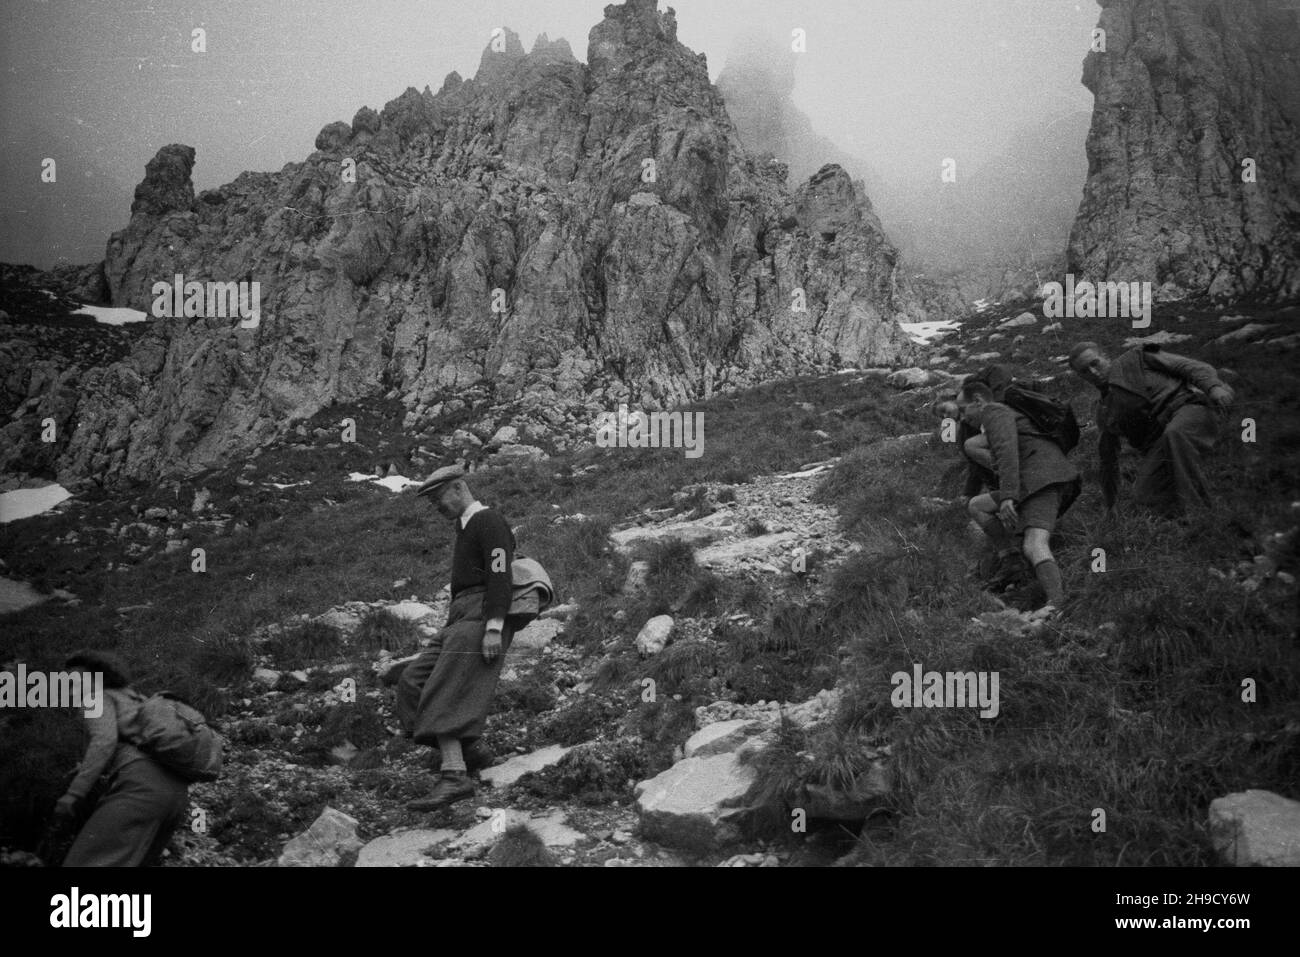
column 924, row 332
column 394, row 483
column 289, row 485
column 15, row 596
column 26, row 502
column 111, row 316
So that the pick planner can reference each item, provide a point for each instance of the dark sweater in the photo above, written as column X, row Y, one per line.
column 472, row 560
column 1144, row 388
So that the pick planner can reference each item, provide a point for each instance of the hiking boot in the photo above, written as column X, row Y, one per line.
column 452, row 786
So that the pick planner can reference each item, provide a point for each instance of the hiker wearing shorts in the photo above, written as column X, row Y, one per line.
column 141, row 803
column 444, row 695
column 1036, row 483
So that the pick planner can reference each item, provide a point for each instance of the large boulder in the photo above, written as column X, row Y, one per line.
column 1256, row 827
column 699, row 804
column 331, row 841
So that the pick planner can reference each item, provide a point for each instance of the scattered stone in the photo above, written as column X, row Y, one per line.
column 694, row 533
column 536, row 635
column 403, row 848
column 1285, row 343
column 552, row 828
column 722, row 737
column 506, row 435
column 523, row 452
column 1251, row 330
column 1162, row 338
column 912, row 378
column 508, row 772
column 266, row 676
column 654, row 635
column 638, row 575
column 412, row 610
column 562, row 612
column 331, row 841
column 1024, row 319
column 749, row 549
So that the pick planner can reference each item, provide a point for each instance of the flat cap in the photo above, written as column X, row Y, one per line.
column 438, row 479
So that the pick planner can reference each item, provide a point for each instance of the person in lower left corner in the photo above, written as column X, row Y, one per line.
column 142, row 802
column 1036, row 483
column 444, row 695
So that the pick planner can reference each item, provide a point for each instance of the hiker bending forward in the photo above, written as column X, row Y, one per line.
column 444, row 695
column 1147, row 397
column 141, row 803
column 1036, row 483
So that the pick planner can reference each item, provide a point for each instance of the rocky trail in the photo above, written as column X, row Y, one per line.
column 308, row 735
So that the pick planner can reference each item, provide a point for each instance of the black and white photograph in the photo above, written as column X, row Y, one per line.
column 550, row 433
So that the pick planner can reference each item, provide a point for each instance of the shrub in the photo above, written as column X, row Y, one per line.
column 520, row 846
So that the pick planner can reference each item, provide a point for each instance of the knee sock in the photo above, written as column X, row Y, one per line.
column 452, row 758
column 1048, row 574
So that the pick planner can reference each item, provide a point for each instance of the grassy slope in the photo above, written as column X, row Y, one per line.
column 1132, row 705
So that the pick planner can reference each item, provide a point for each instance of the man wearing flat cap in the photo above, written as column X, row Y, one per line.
column 443, row 695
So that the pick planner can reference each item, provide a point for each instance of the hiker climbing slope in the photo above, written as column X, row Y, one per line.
column 1168, row 407
column 142, row 802
column 1036, row 483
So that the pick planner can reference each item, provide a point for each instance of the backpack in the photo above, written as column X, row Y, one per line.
column 177, row 737
column 531, row 591
column 1053, row 419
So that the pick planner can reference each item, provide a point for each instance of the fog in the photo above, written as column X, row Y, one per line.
column 897, row 86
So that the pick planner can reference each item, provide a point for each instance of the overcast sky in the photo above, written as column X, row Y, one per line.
column 102, row 85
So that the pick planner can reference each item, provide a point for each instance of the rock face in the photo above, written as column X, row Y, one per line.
column 1186, row 91
column 574, row 235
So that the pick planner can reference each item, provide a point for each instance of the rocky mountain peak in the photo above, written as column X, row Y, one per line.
column 606, row 239
column 631, row 31
column 557, row 50
column 167, row 185
column 495, row 63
